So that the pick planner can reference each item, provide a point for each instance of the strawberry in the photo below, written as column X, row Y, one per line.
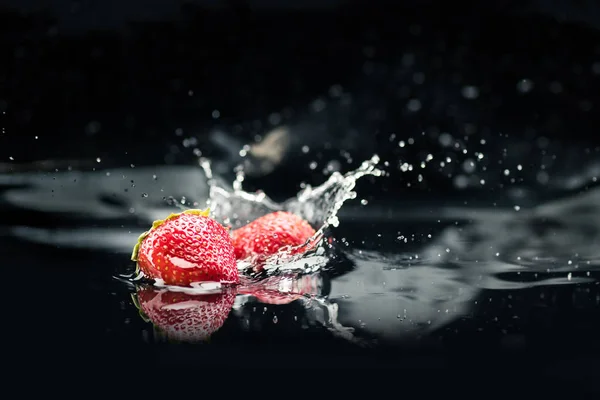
column 185, row 248
column 184, row 316
column 271, row 233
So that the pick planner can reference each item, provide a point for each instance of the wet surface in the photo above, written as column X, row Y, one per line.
column 446, row 281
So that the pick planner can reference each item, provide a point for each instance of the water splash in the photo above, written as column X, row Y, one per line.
column 234, row 207
column 320, row 205
column 305, row 289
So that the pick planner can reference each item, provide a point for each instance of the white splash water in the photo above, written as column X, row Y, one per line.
column 319, row 206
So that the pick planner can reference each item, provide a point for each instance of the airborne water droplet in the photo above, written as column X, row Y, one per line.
column 470, row 92
column 524, row 85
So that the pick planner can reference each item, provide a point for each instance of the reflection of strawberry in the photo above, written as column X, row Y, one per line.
column 184, row 316
column 279, row 290
column 274, row 297
column 268, row 234
column 187, row 247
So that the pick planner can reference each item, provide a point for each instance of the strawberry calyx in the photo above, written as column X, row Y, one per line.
column 159, row 222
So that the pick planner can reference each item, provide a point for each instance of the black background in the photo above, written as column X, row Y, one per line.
column 116, row 79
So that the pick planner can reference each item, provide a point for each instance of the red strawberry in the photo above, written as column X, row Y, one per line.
column 185, row 248
column 270, row 233
column 184, row 316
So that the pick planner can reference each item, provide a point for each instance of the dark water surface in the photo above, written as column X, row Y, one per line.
column 410, row 285
column 478, row 255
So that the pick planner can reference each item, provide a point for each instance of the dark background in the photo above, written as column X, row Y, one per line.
column 129, row 81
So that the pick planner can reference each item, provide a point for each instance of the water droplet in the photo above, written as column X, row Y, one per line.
column 274, row 118
column 469, row 166
column 144, row 194
column 470, row 92
column 524, row 85
column 92, row 128
column 318, row 105
column 333, row 165
column 445, row 139
column 336, row 91
column 542, row 177
column 418, row 78
column 461, row 182
column 408, row 59
column 413, row 105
